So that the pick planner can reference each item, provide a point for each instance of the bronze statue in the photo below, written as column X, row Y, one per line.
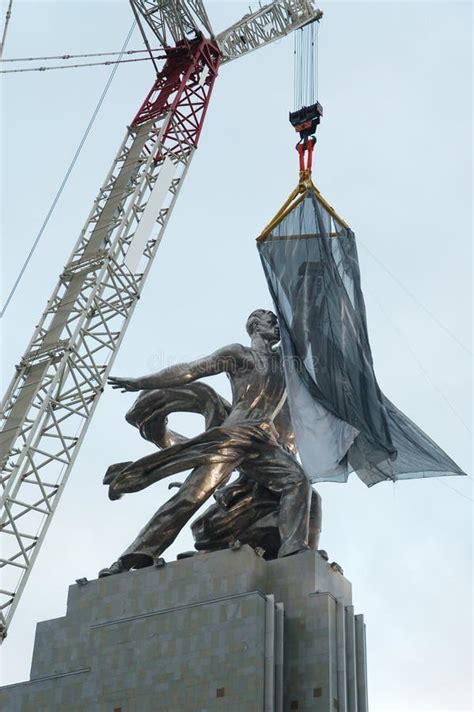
column 272, row 500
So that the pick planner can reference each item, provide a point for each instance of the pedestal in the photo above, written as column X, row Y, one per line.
column 225, row 631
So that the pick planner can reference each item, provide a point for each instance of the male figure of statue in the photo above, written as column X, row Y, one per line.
column 246, row 440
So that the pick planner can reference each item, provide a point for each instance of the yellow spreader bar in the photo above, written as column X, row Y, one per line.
column 295, row 199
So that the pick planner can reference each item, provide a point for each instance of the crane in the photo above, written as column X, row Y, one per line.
column 57, row 384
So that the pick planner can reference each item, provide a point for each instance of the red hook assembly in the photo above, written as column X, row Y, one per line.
column 306, row 146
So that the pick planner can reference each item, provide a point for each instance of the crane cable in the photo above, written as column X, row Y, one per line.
column 420, row 364
column 84, row 64
column 305, row 80
column 414, row 298
column 8, row 15
column 73, row 56
column 68, row 173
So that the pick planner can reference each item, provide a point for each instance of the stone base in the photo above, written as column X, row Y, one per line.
column 225, row 631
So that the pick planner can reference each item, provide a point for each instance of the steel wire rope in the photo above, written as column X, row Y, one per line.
column 299, row 78
column 71, row 56
column 453, row 489
column 415, row 299
column 305, row 66
column 76, row 66
column 299, row 69
column 309, row 65
column 294, row 70
column 317, row 61
column 8, row 15
column 302, row 67
column 439, row 482
column 418, row 361
column 66, row 177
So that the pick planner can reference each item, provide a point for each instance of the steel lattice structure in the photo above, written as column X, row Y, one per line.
column 271, row 22
column 52, row 396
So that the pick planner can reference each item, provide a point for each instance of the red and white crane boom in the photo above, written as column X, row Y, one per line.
column 58, row 381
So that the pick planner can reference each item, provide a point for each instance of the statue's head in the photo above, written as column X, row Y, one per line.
column 264, row 323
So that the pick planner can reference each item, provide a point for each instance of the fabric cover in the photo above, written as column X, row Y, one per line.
column 342, row 420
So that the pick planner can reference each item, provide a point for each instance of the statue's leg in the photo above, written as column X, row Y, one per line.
column 211, row 446
column 147, row 470
column 220, row 525
column 281, row 473
column 165, row 525
column 293, row 517
column 251, row 519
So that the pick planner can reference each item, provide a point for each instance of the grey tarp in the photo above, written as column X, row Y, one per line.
column 342, row 420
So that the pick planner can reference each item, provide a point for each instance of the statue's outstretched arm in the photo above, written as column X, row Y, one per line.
column 228, row 359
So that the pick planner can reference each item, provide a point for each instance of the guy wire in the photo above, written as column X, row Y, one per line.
column 66, row 177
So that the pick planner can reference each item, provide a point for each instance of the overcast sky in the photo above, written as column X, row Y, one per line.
column 394, row 159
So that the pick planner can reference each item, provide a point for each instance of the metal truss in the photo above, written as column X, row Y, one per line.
column 174, row 21
column 59, row 380
column 269, row 23
column 178, row 20
column 55, row 390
